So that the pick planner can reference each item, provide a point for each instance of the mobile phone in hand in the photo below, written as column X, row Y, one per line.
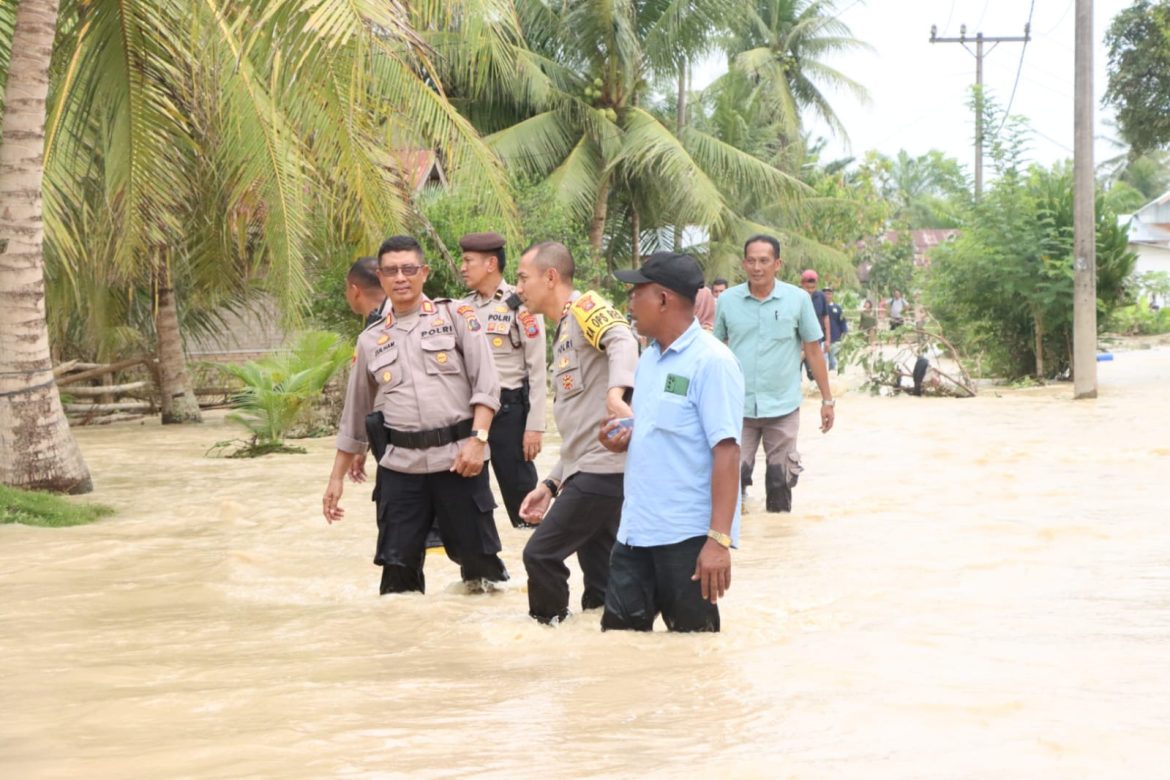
column 622, row 422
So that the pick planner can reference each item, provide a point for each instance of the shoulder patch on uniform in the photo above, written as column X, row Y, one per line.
column 468, row 313
column 531, row 328
column 595, row 316
column 428, row 307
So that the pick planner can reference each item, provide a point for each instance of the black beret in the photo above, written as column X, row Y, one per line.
column 481, row 242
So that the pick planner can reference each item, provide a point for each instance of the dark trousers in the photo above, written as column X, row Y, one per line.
column 584, row 520
column 646, row 581
column 462, row 506
column 515, row 476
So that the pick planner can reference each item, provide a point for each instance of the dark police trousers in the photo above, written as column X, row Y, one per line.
column 584, row 520
column 462, row 506
column 515, row 476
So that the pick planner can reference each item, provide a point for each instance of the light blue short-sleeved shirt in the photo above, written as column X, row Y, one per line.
column 686, row 400
column 768, row 337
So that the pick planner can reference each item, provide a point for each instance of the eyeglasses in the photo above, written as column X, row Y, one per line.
column 390, row 271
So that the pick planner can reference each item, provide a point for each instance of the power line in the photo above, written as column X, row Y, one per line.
column 980, row 39
column 1056, row 26
column 983, row 15
column 1019, row 69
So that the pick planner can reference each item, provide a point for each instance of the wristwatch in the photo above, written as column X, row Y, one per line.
column 828, row 402
column 552, row 487
column 721, row 538
column 481, row 434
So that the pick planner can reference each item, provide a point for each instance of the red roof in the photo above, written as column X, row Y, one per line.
column 924, row 240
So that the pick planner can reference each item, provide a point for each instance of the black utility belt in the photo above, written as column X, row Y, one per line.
column 436, row 437
column 514, row 396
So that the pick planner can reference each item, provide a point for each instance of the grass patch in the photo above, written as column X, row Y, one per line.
column 46, row 510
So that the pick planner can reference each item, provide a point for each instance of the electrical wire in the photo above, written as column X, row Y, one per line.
column 1019, row 69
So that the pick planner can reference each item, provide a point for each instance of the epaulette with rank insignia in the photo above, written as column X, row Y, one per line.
column 595, row 316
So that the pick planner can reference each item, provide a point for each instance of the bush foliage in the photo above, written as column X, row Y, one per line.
column 279, row 389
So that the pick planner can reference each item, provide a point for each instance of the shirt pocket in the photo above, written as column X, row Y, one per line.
column 439, row 355
column 385, row 370
column 786, row 327
column 676, row 415
column 568, row 380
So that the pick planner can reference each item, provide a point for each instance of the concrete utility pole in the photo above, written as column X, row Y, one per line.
column 979, row 40
column 1084, row 213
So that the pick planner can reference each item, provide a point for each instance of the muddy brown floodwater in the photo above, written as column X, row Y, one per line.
column 965, row 589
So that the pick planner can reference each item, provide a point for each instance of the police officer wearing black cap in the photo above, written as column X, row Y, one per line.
column 516, row 337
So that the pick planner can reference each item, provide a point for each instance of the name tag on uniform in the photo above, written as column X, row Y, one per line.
column 677, row 385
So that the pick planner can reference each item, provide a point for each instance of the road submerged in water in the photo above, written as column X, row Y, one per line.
column 964, row 588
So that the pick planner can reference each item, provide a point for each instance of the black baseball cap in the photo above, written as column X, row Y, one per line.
column 680, row 273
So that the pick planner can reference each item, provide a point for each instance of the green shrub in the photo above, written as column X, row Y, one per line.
column 1140, row 320
column 279, row 389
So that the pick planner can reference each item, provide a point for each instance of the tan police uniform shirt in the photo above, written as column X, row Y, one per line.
column 422, row 371
column 594, row 350
column 517, row 341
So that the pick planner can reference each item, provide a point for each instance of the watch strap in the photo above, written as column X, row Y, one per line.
column 721, row 538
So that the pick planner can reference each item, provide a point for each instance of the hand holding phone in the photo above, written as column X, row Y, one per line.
column 622, row 422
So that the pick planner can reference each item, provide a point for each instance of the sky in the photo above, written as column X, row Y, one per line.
column 919, row 90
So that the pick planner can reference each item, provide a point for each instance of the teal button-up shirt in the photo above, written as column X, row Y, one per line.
column 768, row 336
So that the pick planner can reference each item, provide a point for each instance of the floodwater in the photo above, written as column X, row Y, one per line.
column 966, row 588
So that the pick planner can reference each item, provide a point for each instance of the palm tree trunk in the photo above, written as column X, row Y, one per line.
column 597, row 222
column 680, row 123
column 177, row 394
column 636, row 237
column 37, row 449
column 1038, row 329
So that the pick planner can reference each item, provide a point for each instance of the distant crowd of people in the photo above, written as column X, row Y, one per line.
column 657, row 446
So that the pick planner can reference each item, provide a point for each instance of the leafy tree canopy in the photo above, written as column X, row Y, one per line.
column 1139, row 73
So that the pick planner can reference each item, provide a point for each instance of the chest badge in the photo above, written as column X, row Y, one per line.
column 387, row 376
column 564, row 362
column 436, row 322
column 497, row 342
column 441, row 358
column 501, row 309
column 383, row 339
column 567, row 381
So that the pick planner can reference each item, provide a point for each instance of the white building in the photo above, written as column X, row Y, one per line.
column 1149, row 235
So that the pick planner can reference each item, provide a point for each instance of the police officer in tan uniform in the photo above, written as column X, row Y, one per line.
column 516, row 336
column 425, row 372
column 595, row 356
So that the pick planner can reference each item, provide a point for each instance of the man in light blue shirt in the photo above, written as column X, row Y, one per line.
column 680, row 516
column 769, row 324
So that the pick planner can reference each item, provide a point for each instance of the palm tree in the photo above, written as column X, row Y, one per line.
column 227, row 158
column 576, row 107
column 779, row 47
column 37, row 449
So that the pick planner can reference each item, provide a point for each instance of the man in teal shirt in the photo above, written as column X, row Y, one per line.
column 769, row 324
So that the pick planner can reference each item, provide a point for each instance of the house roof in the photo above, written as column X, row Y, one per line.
column 422, row 166
column 1151, row 223
column 924, row 240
